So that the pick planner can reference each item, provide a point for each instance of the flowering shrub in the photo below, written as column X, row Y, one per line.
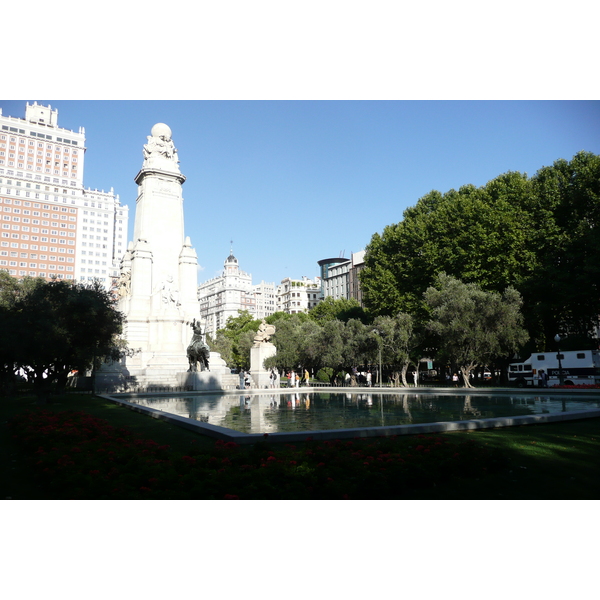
column 82, row 457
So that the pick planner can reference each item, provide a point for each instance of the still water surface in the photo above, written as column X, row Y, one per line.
column 270, row 413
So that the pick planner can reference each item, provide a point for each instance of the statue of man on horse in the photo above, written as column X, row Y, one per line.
column 197, row 351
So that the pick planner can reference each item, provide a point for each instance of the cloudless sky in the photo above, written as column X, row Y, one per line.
column 292, row 182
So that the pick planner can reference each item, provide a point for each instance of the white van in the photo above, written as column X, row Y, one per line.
column 579, row 367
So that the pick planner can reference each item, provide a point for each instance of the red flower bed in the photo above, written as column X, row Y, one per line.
column 82, row 457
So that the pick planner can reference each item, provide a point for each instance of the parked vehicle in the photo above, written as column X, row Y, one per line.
column 578, row 367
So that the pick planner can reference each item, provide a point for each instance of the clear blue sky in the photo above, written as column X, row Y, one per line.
column 292, row 182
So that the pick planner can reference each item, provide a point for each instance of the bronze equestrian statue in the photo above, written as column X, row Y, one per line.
column 197, row 351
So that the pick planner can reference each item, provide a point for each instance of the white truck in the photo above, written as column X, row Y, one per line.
column 579, row 367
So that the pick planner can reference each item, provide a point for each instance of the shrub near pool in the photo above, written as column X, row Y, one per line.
column 82, row 457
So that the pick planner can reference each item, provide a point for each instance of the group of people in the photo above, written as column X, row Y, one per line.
column 295, row 379
column 245, row 382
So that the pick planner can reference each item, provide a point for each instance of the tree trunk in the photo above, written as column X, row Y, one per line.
column 404, row 369
column 466, row 375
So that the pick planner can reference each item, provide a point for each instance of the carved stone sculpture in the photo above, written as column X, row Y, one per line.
column 168, row 292
column 124, row 284
column 264, row 333
column 160, row 152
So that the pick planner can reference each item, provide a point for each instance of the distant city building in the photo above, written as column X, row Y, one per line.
column 265, row 295
column 298, row 295
column 232, row 291
column 339, row 277
column 52, row 227
column 358, row 264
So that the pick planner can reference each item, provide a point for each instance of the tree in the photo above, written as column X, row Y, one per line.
column 238, row 330
column 223, row 345
column 342, row 309
column 59, row 326
column 398, row 340
column 291, row 333
column 563, row 293
column 302, row 342
column 538, row 235
column 476, row 234
column 474, row 327
column 341, row 346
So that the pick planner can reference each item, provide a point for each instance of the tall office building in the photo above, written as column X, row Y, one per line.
column 53, row 227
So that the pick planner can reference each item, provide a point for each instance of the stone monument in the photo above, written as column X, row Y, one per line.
column 262, row 350
column 158, row 283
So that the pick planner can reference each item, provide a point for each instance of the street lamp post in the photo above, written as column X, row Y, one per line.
column 561, row 378
column 379, row 342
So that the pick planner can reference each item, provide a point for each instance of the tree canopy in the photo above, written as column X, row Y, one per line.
column 52, row 328
column 342, row 309
column 474, row 327
column 539, row 235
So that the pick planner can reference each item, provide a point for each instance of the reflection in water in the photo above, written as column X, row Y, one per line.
column 269, row 413
column 469, row 410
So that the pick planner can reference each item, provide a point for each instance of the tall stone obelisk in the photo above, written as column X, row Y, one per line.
column 159, row 270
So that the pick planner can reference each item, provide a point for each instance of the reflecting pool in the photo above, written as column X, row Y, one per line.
column 314, row 411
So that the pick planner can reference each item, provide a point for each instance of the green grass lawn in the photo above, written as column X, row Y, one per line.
column 552, row 461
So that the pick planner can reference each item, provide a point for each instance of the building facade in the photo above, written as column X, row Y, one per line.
column 298, row 295
column 265, row 295
column 232, row 291
column 339, row 277
column 52, row 227
column 225, row 295
column 358, row 264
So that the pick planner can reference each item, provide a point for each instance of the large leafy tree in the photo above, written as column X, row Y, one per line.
column 336, row 345
column 563, row 294
column 290, row 339
column 477, row 234
column 398, row 340
column 342, row 309
column 343, row 345
column 223, row 345
column 474, row 327
column 539, row 235
column 57, row 327
column 235, row 338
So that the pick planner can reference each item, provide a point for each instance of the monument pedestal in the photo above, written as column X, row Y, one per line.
column 258, row 354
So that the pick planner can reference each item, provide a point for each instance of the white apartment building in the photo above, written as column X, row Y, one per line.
column 265, row 295
column 52, row 227
column 224, row 296
column 298, row 295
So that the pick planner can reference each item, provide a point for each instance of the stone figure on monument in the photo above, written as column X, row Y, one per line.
column 169, row 292
column 124, row 284
column 264, row 333
column 160, row 150
column 198, row 351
